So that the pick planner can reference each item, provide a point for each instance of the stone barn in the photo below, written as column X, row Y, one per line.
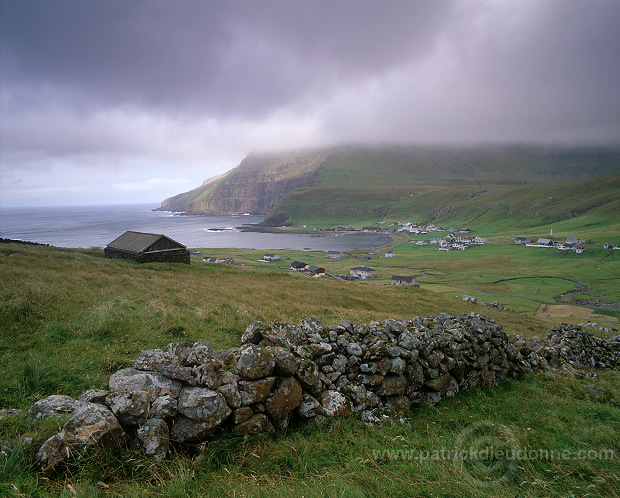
column 147, row 248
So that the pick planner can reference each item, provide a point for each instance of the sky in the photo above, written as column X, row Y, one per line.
column 115, row 101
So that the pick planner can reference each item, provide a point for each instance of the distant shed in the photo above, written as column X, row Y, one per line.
column 147, row 248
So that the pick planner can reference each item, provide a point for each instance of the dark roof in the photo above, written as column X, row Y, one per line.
column 138, row 242
column 362, row 268
column 402, row 279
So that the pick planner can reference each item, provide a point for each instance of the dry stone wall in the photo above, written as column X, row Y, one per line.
column 187, row 392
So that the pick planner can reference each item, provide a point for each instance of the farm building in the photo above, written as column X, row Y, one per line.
column 362, row 272
column 317, row 270
column 523, row 240
column 398, row 280
column 271, row 257
column 147, row 248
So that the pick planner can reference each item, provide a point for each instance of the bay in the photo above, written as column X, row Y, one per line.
column 96, row 226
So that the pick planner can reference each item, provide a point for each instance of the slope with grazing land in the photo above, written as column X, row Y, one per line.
column 69, row 318
column 580, row 204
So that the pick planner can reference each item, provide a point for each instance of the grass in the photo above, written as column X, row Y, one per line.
column 70, row 318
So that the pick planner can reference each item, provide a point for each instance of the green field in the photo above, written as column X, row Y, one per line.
column 70, row 318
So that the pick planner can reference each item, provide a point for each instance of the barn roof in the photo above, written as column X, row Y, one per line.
column 397, row 278
column 138, row 242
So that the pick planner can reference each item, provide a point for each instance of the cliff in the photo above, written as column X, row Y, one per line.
column 253, row 186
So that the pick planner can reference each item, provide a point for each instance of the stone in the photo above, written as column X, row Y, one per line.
column 90, row 425
column 254, row 362
column 353, row 348
column 284, row 397
column 256, row 424
column 241, row 414
column 181, row 350
column 286, row 363
column 93, row 396
column 309, row 377
column 154, row 437
column 164, row 407
column 335, row 403
column 444, row 384
column 253, row 333
column 311, row 326
column 397, row 405
column 254, row 391
column 391, row 385
column 56, row 405
column 203, row 405
column 185, row 429
column 397, row 366
column 155, row 359
column 309, row 407
column 358, row 395
column 231, row 394
column 283, row 335
column 200, row 354
column 129, row 407
column 153, row 383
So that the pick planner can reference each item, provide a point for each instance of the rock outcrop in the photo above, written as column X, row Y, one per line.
column 187, row 391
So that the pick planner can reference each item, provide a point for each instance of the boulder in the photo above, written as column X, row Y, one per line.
column 284, row 397
column 52, row 406
column 153, row 383
column 391, row 385
column 129, row 407
column 164, row 407
column 335, row 403
column 154, row 437
column 93, row 396
column 286, row 363
column 90, row 425
column 254, row 362
column 309, row 377
column 254, row 391
column 309, row 407
column 203, row 405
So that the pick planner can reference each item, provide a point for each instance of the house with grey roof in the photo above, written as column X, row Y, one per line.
column 147, row 248
column 399, row 280
column 362, row 272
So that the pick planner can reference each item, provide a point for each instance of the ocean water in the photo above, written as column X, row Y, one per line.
column 96, row 226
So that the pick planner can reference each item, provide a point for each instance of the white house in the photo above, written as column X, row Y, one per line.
column 362, row 272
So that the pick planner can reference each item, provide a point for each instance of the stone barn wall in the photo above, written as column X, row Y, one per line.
column 168, row 256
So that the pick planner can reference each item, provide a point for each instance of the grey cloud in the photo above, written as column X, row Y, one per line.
column 197, row 84
column 218, row 57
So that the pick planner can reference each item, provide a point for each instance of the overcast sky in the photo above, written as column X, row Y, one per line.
column 116, row 101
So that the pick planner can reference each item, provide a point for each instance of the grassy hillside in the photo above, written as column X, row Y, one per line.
column 261, row 179
column 397, row 165
column 584, row 203
column 69, row 318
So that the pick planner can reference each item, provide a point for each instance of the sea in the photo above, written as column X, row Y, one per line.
column 96, row 226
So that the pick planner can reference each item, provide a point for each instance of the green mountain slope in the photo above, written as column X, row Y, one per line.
column 395, row 180
column 591, row 202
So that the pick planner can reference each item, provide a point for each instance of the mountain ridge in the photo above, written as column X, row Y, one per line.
column 266, row 183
